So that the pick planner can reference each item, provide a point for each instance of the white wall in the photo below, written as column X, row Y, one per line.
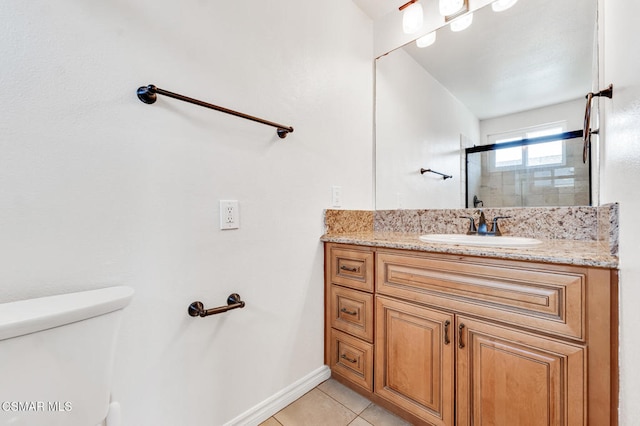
column 99, row 189
column 620, row 175
column 418, row 125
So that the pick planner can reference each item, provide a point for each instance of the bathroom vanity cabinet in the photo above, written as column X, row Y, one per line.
column 445, row 339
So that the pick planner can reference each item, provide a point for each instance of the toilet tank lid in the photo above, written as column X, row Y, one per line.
column 32, row 315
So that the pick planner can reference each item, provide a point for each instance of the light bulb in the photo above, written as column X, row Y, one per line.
column 462, row 23
column 426, row 40
column 450, row 7
column 500, row 5
column 412, row 18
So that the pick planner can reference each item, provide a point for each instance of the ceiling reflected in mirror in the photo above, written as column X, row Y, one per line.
column 534, row 54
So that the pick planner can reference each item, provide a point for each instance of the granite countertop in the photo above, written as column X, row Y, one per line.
column 560, row 251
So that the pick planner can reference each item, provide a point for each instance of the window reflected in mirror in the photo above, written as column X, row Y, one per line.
column 529, row 168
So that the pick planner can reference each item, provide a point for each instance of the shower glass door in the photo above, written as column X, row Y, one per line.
column 542, row 170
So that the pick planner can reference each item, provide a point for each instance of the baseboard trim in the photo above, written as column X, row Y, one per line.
column 261, row 412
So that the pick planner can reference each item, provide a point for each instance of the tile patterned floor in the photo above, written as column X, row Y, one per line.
column 333, row 404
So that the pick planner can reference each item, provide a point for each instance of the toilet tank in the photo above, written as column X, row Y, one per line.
column 56, row 357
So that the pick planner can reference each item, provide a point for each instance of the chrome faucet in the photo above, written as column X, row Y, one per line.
column 483, row 228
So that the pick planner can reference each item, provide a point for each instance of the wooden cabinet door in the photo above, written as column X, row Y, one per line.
column 508, row 377
column 414, row 359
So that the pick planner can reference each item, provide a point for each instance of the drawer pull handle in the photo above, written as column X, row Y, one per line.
column 348, row 312
column 350, row 268
column 446, row 332
column 460, row 331
column 351, row 360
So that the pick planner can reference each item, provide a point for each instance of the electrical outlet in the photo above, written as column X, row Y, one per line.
column 336, row 196
column 229, row 214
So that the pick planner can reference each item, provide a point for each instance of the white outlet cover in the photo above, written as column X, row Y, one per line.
column 229, row 214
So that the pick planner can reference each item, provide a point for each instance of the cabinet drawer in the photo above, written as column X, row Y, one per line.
column 351, row 267
column 352, row 312
column 541, row 297
column 352, row 359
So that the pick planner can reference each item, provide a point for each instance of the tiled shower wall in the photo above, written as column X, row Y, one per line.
column 560, row 185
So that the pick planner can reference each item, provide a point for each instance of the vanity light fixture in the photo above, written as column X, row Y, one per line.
column 462, row 23
column 451, row 9
column 501, row 5
column 412, row 17
column 426, row 40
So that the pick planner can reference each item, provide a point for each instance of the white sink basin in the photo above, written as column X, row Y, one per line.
column 480, row 240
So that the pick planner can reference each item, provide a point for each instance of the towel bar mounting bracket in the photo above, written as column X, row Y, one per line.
column 586, row 131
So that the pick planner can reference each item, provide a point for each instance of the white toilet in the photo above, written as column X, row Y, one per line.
column 56, row 358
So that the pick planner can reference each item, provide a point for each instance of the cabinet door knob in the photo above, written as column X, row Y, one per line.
column 351, row 360
column 348, row 312
column 446, row 332
column 460, row 331
column 350, row 268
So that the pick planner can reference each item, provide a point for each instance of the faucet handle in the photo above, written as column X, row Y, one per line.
column 472, row 225
column 494, row 228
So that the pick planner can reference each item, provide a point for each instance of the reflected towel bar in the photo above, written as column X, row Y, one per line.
column 196, row 309
column 147, row 94
column 444, row 177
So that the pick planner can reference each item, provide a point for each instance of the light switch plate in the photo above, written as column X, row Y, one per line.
column 336, row 196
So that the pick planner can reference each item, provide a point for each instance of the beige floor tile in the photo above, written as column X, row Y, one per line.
column 270, row 422
column 359, row 421
column 378, row 416
column 345, row 396
column 315, row 408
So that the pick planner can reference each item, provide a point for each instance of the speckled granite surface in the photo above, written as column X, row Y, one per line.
column 608, row 225
column 570, row 252
column 340, row 221
column 571, row 235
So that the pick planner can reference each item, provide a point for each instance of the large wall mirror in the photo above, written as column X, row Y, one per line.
column 518, row 74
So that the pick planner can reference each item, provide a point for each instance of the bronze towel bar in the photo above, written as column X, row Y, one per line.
column 147, row 94
column 444, row 177
column 196, row 309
